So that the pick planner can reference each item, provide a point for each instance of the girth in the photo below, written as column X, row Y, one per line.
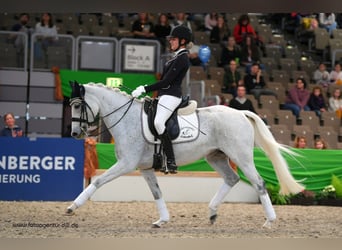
column 172, row 125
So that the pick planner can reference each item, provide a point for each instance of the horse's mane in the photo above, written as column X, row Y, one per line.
column 115, row 89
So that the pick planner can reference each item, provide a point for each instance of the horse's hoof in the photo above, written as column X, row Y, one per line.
column 267, row 224
column 69, row 212
column 213, row 219
column 159, row 223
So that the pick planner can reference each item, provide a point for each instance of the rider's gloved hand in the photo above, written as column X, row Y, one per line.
column 138, row 91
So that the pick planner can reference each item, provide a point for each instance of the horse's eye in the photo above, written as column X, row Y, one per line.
column 77, row 106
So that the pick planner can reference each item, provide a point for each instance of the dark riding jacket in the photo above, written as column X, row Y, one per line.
column 173, row 73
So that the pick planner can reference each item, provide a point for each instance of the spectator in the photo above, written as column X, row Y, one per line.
column 230, row 52
column 335, row 103
column 327, row 21
column 210, row 21
column 243, row 28
column 320, row 144
column 48, row 34
column 46, row 27
column 22, row 26
column 336, row 74
column 220, row 32
column 11, row 129
column 316, row 101
column 162, row 29
column 181, row 19
column 143, row 27
column 231, row 79
column 297, row 98
column 300, row 142
column 241, row 102
column 249, row 52
column 321, row 76
column 255, row 83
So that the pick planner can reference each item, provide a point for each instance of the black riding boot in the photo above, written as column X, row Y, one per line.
column 168, row 149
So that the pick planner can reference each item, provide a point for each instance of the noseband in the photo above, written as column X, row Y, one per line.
column 84, row 114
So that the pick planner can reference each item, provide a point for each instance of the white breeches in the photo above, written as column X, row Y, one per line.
column 166, row 105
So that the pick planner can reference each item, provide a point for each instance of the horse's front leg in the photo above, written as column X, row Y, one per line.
column 118, row 169
column 152, row 182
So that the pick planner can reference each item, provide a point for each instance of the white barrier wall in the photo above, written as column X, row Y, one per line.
column 175, row 188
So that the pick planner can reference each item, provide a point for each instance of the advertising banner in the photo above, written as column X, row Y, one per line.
column 46, row 169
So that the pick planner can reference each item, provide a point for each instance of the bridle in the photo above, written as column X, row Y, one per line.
column 84, row 114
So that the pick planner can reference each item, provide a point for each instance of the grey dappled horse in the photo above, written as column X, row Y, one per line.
column 227, row 134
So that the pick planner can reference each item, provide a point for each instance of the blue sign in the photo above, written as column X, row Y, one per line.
column 43, row 169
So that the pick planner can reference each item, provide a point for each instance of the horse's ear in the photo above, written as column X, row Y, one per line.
column 82, row 91
column 75, row 89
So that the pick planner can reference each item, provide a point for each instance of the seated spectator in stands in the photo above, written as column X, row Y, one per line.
column 300, row 142
column 143, row 27
column 243, row 28
column 321, row 76
column 241, row 102
column 255, row 83
column 297, row 98
column 231, row 79
column 336, row 74
column 230, row 52
column 327, row 21
column 162, row 29
column 220, row 32
column 320, row 144
column 335, row 103
column 11, row 129
column 316, row 101
column 181, row 19
column 249, row 52
column 210, row 21
column 22, row 26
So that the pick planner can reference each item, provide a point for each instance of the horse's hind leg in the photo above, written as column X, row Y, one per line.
column 219, row 161
column 152, row 182
column 244, row 160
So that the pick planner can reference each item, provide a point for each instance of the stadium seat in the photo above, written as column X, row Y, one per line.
column 330, row 119
column 269, row 63
column 216, row 73
column 288, row 64
column 212, row 87
column 309, row 118
column 197, row 73
column 269, row 102
column 286, row 117
column 280, row 76
column 281, row 134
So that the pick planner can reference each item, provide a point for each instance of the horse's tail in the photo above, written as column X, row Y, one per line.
column 265, row 140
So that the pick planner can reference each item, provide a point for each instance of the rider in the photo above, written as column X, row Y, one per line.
column 169, row 88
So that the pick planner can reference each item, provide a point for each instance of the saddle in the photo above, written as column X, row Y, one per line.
column 172, row 124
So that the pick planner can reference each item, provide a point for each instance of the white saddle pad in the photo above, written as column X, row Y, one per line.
column 188, row 128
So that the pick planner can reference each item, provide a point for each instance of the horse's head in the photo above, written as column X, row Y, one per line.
column 83, row 113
